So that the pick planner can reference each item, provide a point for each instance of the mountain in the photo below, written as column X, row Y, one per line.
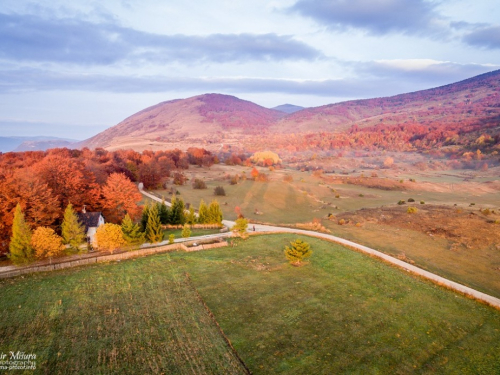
column 37, row 143
column 204, row 119
column 474, row 100
column 213, row 120
column 288, row 108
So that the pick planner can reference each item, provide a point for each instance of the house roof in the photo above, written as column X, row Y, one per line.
column 89, row 219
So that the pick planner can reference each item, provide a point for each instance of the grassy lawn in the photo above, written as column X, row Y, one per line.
column 133, row 317
column 342, row 312
column 194, row 232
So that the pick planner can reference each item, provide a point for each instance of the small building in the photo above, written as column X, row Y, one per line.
column 91, row 221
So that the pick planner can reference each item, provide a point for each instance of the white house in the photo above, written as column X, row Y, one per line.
column 91, row 221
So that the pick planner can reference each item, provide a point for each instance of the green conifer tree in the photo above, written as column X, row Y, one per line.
column 203, row 213
column 297, row 251
column 191, row 216
column 186, row 231
column 132, row 232
column 214, row 213
column 240, row 227
column 72, row 231
column 154, row 231
column 164, row 213
column 177, row 215
column 20, row 248
column 145, row 216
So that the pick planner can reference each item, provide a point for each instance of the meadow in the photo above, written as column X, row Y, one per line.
column 340, row 312
column 308, row 197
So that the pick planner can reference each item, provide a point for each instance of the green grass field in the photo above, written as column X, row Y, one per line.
column 133, row 317
column 343, row 312
column 194, row 232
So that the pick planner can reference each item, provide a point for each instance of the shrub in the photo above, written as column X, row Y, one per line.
column 411, row 200
column 179, row 178
column 199, row 184
column 401, row 202
column 337, row 195
column 297, row 251
column 240, row 227
column 234, row 179
column 341, row 221
column 486, row 212
column 412, row 210
column 219, row 190
column 186, row 231
column 361, row 195
column 46, row 243
column 171, row 238
column 422, row 202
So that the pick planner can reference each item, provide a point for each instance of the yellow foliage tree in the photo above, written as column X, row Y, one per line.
column 46, row 243
column 109, row 237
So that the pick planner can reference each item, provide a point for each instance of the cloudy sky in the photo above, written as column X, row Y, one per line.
column 74, row 68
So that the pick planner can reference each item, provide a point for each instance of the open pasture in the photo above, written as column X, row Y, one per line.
column 341, row 312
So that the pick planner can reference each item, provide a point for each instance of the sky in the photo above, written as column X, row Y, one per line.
column 74, row 68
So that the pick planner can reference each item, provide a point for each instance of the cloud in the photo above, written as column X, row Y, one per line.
column 377, row 17
column 428, row 72
column 31, row 79
column 32, row 38
column 486, row 37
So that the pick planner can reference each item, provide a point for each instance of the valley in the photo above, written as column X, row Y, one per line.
column 414, row 176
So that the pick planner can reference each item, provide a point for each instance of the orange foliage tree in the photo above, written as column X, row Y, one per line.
column 46, row 243
column 120, row 198
column 69, row 180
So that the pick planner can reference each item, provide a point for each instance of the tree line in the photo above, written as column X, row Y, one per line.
column 27, row 245
column 43, row 183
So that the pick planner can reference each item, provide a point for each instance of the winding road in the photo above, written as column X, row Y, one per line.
column 268, row 229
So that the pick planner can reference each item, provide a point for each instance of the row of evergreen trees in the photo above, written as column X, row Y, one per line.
column 154, row 215
column 178, row 215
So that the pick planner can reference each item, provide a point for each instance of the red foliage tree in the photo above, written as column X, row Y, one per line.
column 120, row 198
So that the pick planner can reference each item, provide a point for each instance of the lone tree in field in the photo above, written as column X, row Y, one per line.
column 46, row 243
column 297, row 251
column 20, row 247
column 71, row 229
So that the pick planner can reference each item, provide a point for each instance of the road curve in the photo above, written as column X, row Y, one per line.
column 263, row 229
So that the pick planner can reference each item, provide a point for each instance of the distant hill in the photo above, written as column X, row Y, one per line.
column 38, row 143
column 44, row 145
column 214, row 120
column 288, row 108
column 205, row 119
